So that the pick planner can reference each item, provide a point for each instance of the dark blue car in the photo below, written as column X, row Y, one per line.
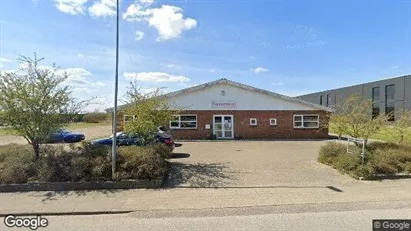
column 124, row 139
column 65, row 136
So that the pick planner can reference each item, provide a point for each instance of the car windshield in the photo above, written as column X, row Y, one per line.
column 64, row 131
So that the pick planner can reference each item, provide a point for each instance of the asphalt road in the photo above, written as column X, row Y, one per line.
column 303, row 217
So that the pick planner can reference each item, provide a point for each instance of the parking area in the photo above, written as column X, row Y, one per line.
column 251, row 164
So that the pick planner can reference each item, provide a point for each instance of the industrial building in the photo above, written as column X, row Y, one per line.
column 388, row 95
column 225, row 109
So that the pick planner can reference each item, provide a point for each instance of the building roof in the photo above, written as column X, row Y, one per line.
column 242, row 86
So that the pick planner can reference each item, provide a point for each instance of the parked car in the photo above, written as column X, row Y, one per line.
column 63, row 135
column 126, row 139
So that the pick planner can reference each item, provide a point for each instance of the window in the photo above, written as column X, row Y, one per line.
column 328, row 100
column 321, row 99
column 184, row 122
column 375, row 102
column 128, row 118
column 273, row 121
column 306, row 121
column 390, row 101
column 253, row 122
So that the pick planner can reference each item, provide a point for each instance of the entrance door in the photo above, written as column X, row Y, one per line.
column 223, row 126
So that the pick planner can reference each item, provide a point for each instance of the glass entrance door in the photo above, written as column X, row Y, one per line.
column 223, row 126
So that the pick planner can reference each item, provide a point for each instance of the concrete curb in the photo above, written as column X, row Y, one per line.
column 75, row 186
column 80, row 213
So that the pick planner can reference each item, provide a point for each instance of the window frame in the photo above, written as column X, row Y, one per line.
column 124, row 118
column 180, row 121
column 328, row 103
column 302, row 121
column 273, row 119
column 253, row 124
column 389, row 101
column 375, row 107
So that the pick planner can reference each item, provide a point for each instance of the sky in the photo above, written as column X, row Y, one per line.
column 291, row 47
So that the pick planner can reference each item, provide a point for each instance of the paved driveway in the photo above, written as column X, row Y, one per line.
column 251, row 164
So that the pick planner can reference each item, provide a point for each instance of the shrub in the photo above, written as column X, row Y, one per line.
column 347, row 162
column 365, row 171
column 164, row 151
column 407, row 168
column 95, row 117
column 330, row 151
column 390, row 161
column 84, row 163
column 140, row 163
column 17, row 163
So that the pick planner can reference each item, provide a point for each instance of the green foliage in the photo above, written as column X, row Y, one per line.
column 381, row 158
column 16, row 163
column 390, row 160
column 164, row 151
column 365, row 171
column 78, row 163
column 353, row 118
column 33, row 99
column 330, row 151
column 347, row 162
column 150, row 110
column 401, row 127
column 141, row 163
column 95, row 117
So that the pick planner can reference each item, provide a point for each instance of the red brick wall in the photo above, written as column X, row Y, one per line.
column 263, row 130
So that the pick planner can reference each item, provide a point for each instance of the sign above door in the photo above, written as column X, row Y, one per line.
column 223, row 104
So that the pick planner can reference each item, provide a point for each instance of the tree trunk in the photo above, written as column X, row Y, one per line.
column 36, row 148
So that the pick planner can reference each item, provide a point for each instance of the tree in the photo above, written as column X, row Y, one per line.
column 402, row 125
column 150, row 110
column 34, row 100
column 354, row 118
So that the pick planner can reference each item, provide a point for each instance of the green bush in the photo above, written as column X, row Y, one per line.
column 364, row 171
column 381, row 158
column 140, row 163
column 390, row 161
column 78, row 163
column 407, row 168
column 330, row 151
column 17, row 164
column 162, row 150
column 347, row 162
column 95, row 117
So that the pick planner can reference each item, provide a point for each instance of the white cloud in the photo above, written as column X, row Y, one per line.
column 213, row 70
column 252, row 57
column 168, row 20
column 170, row 65
column 4, row 60
column 72, row 7
column 139, row 35
column 278, row 83
column 156, row 77
column 86, row 57
column 259, row 70
column 103, row 8
column 395, row 67
column 76, row 76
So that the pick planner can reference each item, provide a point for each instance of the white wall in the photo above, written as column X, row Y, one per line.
column 243, row 99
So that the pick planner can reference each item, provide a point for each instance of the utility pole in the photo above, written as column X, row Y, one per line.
column 114, row 144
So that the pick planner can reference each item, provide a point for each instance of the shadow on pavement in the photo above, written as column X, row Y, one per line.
column 198, row 175
column 55, row 195
column 180, row 155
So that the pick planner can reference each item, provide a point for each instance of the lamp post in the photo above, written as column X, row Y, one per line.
column 114, row 144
